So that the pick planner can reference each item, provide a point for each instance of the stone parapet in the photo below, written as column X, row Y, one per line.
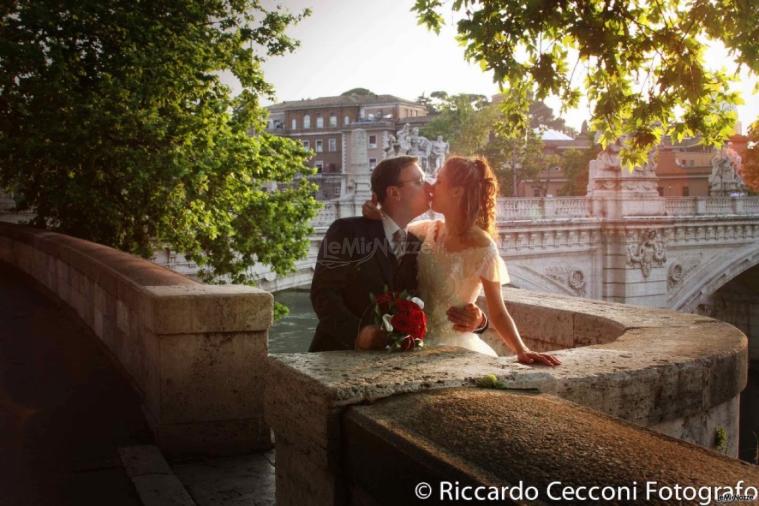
column 680, row 374
column 541, row 448
column 195, row 352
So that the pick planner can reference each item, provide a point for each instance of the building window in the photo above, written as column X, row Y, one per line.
column 319, row 121
column 332, row 144
column 333, row 120
column 294, row 124
column 372, row 163
column 319, row 166
column 536, row 192
column 346, row 120
column 307, row 121
column 686, row 191
column 319, row 146
column 372, row 141
column 306, row 144
column 691, row 163
column 660, row 189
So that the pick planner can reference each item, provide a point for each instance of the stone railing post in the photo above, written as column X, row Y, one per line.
column 210, row 344
column 701, row 205
column 548, row 208
column 738, row 207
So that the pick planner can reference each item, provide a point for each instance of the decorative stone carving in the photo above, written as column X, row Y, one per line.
column 675, row 276
column 648, row 253
column 407, row 141
column 572, row 277
column 725, row 179
column 576, row 282
column 393, row 147
column 607, row 173
column 438, row 153
column 680, row 269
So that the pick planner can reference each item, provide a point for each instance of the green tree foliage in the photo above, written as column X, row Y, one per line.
column 516, row 158
column 644, row 61
column 576, row 163
column 475, row 127
column 115, row 127
column 464, row 120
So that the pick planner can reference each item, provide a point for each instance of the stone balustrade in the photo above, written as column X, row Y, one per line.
column 538, row 208
column 711, row 206
column 542, row 208
column 195, row 352
column 676, row 374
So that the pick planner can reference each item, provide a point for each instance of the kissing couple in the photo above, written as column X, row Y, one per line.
column 446, row 262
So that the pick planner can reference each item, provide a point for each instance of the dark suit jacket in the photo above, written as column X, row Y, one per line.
column 355, row 259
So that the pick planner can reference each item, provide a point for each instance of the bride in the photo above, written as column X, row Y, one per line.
column 458, row 256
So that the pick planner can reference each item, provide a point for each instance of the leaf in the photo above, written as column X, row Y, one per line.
column 134, row 142
column 644, row 61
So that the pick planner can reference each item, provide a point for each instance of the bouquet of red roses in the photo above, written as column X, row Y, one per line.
column 402, row 317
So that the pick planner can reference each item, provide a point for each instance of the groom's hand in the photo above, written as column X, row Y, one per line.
column 371, row 337
column 467, row 318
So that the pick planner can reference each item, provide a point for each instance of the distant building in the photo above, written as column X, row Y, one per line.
column 552, row 179
column 324, row 125
column 683, row 168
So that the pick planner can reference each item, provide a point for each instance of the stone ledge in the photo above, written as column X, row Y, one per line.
column 196, row 352
column 186, row 309
column 496, row 438
column 654, row 365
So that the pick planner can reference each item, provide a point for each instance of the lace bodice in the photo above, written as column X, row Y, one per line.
column 451, row 278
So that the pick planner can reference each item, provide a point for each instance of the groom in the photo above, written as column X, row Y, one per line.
column 359, row 256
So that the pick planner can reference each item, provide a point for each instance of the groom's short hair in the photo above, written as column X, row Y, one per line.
column 387, row 173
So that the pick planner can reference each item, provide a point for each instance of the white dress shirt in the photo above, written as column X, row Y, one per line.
column 390, row 229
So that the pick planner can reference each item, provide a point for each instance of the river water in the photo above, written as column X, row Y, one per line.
column 292, row 334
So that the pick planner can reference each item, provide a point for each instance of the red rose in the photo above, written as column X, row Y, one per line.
column 383, row 300
column 410, row 319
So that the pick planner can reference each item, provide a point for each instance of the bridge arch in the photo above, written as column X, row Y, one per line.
column 713, row 275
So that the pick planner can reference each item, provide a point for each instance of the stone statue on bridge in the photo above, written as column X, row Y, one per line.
column 607, row 173
column 616, row 191
column 408, row 141
column 438, row 152
column 725, row 179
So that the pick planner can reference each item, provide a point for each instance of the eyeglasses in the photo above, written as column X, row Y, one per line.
column 419, row 181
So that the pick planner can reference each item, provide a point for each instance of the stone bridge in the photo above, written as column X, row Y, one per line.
column 676, row 259
column 693, row 254
column 197, row 356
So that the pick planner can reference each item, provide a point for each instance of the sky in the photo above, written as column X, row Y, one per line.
column 377, row 44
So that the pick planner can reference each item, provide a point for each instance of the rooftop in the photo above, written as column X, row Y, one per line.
column 340, row 100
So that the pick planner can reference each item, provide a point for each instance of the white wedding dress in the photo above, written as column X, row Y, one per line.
column 452, row 279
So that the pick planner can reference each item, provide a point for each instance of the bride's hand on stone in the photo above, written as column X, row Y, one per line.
column 531, row 357
column 371, row 209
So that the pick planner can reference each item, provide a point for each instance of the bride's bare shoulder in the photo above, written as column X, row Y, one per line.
column 480, row 238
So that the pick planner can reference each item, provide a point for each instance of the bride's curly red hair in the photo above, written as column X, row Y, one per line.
column 480, row 190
